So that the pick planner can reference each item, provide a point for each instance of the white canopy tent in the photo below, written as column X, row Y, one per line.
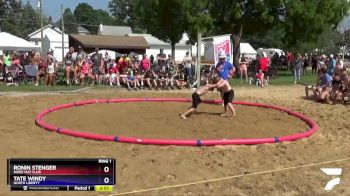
column 247, row 50
column 11, row 42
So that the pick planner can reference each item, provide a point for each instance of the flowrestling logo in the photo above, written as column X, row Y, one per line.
column 332, row 172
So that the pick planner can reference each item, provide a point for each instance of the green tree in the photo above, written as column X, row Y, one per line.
column 165, row 19
column 197, row 19
column 273, row 38
column 302, row 21
column 10, row 12
column 123, row 11
column 90, row 18
column 327, row 42
column 103, row 17
column 29, row 20
column 19, row 19
column 241, row 17
column 84, row 14
column 70, row 22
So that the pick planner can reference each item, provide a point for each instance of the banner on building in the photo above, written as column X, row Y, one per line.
column 222, row 44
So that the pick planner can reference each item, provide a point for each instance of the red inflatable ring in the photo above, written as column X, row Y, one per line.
column 179, row 142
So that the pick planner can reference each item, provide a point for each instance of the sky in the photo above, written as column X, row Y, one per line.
column 345, row 24
column 53, row 7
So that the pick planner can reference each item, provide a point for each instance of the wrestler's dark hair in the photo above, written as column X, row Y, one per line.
column 216, row 79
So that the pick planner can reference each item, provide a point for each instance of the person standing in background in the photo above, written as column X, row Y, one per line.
column 151, row 59
column 306, row 62
column 81, row 55
column 297, row 68
column 187, row 61
column 290, row 59
column 243, row 68
column 264, row 64
column 97, row 64
column 332, row 65
column 161, row 60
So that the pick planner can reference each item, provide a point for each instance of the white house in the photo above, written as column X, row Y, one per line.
column 35, row 37
column 54, row 42
column 156, row 44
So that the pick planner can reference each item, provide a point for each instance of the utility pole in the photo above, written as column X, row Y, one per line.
column 62, row 30
column 41, row 25
column 198, row 68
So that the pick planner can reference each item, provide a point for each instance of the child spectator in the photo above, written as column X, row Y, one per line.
column 130, row 80
column 173, row 76
column 163, row 80
column 42, row 66
column 123, row 63
column 138, row 77
column 50, row 72
column 113, row 74
column 150, row 79
column 259, row 79
column 86, row 72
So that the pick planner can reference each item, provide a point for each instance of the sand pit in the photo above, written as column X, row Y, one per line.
column 148, row 166
column 157, row 119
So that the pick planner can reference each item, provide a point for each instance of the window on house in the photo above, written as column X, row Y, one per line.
column 36, row 43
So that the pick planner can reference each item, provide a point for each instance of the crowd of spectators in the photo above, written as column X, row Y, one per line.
column 162, row 72
column 79, row 68
column 333, row 81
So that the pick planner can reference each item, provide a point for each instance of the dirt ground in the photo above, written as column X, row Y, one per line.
column 144, row 167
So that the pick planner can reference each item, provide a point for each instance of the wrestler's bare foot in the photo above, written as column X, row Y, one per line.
column 224, row 115
column 183, row 117
column 234, row 115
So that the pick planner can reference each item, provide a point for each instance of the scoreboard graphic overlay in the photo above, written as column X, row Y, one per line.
column 61, row 174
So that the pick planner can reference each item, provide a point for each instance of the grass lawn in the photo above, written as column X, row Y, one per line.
column 283, row 78
column 40, row 88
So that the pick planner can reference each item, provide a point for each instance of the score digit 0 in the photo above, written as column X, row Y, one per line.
column 106, row 169
column 106, row 180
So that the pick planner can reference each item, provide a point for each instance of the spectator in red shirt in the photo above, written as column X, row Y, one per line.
column 264, row 63
column 85, row 72
column 145, row 64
